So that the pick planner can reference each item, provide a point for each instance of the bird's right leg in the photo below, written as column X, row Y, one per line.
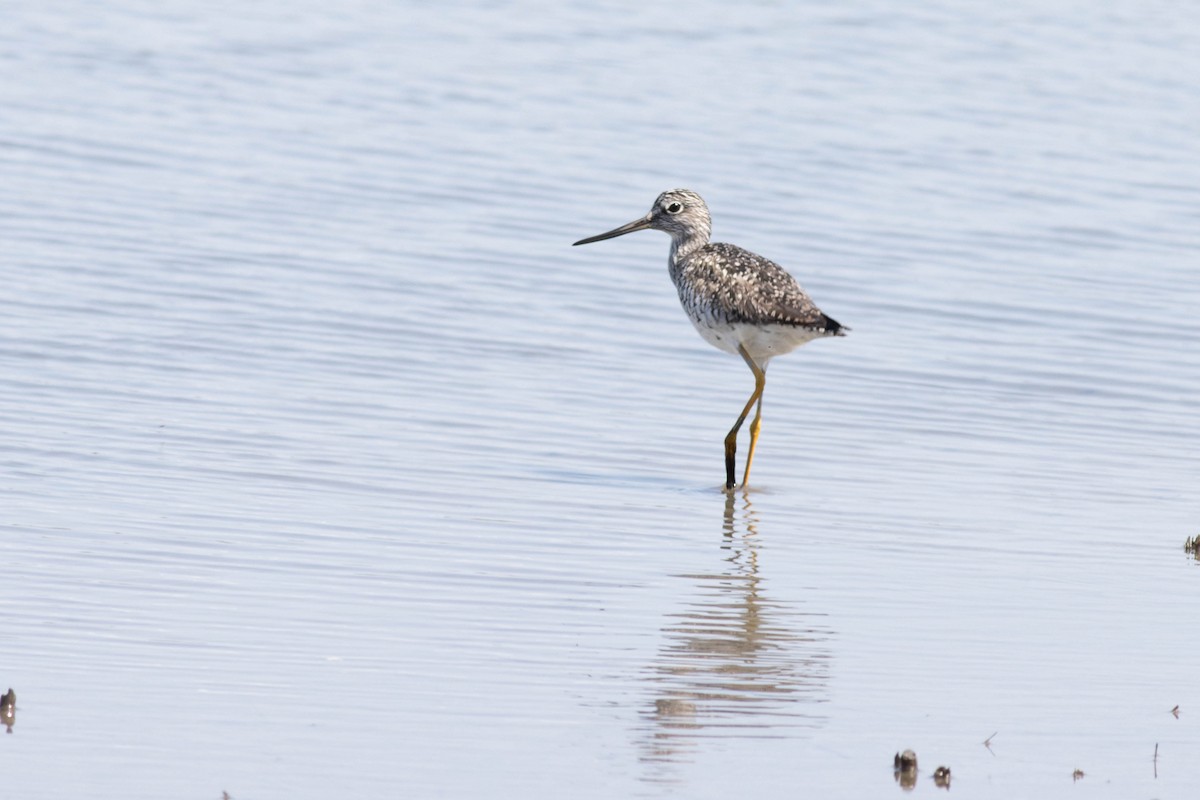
column 760, row 379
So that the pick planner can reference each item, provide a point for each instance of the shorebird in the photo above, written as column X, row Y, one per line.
column 740, row 302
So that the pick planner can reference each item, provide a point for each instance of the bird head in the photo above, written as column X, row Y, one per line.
column 679, row 212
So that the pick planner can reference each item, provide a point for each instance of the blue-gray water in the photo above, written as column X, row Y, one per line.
column 332, row 470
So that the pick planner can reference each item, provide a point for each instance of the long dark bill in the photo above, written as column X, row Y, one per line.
column 637, row 225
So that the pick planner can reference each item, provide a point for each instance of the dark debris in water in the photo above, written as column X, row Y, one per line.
column 1192, row 546
column 905, row 761
column 1077, row 775
column 905, row 769
column 8, row 710
column 904, row 765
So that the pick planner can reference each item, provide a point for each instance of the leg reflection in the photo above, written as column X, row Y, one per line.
column 734, row 660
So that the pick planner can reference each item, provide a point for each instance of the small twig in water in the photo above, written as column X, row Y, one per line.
column 988, row 743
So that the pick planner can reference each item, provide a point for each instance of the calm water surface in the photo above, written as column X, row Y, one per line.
column 333, row 470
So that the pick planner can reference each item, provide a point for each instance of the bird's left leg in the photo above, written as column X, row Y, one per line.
column 731, row 439
column 755, row 427
column 760, row 382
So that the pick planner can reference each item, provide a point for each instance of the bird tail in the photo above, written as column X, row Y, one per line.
column 833, row 327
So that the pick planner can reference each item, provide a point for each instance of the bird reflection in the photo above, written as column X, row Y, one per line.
column 735, row 662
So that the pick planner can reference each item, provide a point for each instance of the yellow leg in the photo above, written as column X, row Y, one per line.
column 755, row 427
column 760, row 379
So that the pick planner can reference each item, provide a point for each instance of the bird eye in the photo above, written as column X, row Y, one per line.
column 674, row 208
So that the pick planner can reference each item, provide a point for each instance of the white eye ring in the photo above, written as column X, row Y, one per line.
column 674, row 208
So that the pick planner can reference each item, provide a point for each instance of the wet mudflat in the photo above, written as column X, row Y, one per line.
column 333, row 470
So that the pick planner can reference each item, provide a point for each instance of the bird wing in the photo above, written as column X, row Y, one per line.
column 751, row 289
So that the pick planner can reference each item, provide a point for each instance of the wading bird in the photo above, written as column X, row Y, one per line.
column 739, row 302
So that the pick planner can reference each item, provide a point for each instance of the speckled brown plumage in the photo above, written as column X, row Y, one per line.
column 730, row 284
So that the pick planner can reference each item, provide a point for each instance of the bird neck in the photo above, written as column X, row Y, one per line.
column 684, row 243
